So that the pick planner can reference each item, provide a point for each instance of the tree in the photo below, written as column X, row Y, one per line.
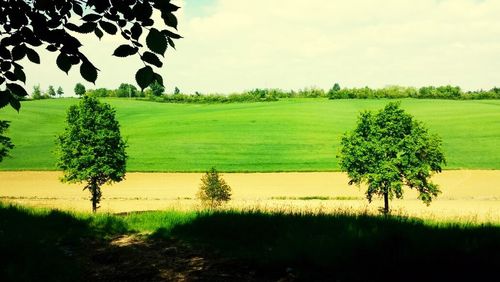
column 157, row 89
column 214, row 191
column 51, row 92
column 26, row 25
column 37, row 93
column 5, row 143
column 332, row 93
column 80, row 89
column 126, row 90
column 177, row 90
column 91, row 148
column 388, row 150
column 60, row 91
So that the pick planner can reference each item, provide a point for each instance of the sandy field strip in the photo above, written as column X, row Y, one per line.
column 467, row 194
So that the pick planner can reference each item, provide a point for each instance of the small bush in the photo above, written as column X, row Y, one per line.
column 214, row 191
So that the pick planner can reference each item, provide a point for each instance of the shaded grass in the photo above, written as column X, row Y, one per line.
column 38, row 243
column 287, row 135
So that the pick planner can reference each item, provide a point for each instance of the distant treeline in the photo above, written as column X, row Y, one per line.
column 157, row 93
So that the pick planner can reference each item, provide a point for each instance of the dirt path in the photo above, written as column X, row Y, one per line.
column 471, row 194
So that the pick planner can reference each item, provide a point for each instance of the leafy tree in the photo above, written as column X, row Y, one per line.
column 91, row 148
column 51, row 92
column 80, row 89
column 157, row 89
column 214, row 191
column 26, row 25
column 5, row 143
column 60, row 91
column 177, row 90
column 37, row 93
column 389, row 149
column 126, row 90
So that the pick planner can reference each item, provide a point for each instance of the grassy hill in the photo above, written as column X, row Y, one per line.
column 289, row 135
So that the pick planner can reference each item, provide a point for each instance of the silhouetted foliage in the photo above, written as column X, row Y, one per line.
column 214, row 191
column 91, row 148
column 28, row 24
column 390, row 149
column 5, row 142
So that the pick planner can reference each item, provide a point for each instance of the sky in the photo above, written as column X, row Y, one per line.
column 236, row 45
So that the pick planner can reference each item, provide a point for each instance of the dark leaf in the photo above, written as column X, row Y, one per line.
column 88, row 71
column 2, row 80
column 77, row 9
column 18, row 52
column 51, row 48
column 72, row 27
column 156, row 41
column 4, row 52
column 108, row 27
column 171, row 42
column 170, row 34
column 91, row 17
column 33, row 55
column 17, row 89
column 125, row 50
column 87, row 27
column 14, row 102
column 5, row 65
column 144, row 77
column 136, row 31
column 169, row 19
column 10, row 76
column 152, row 59
column 98, row 32
column 158, row 78
column 4, row 98
column 21, row 76
column 63, row 62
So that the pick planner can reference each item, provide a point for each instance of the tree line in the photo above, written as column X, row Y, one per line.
column 156, row 92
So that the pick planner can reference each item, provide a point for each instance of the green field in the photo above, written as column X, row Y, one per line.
column 288, row 135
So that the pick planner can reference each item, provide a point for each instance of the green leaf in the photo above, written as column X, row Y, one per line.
column 17, row 89
column 108, row 27
column 144, row 77
column 156, row 41
column 88, row 71
column 124, row 51
column 152, row 59
column 63, row 62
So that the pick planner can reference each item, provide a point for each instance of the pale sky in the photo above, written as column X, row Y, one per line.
column 236, row 45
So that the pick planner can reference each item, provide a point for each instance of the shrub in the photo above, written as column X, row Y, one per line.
column 214, row 191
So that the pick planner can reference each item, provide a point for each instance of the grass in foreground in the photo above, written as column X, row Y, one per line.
column 52, row 245
column 288, row 135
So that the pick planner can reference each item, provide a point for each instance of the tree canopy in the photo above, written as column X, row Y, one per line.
column 388, row 150
column 5, row 143
column 28, row 25
column 91, row 148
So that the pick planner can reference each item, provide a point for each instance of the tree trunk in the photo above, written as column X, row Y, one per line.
column 94, row 191
column 386, row 202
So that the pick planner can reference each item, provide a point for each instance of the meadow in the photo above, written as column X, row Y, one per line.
column 288, row 135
